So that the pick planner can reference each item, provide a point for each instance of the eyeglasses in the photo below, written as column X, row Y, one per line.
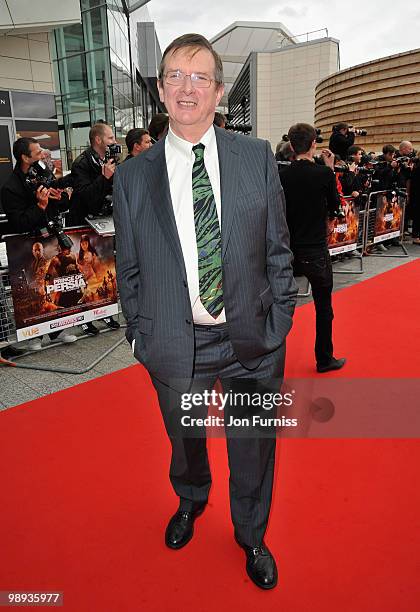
column 176, row 77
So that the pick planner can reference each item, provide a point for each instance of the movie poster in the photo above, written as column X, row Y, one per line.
column 343, row 232
column 55, row 287
column 388, row 217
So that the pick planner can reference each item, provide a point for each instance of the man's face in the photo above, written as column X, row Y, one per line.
column 37, row 250
column 390, row 156
column 106, row 139
column 189, row 106
column 144, row 144
column 36, row 154
column 406, row 149
column 358, row 157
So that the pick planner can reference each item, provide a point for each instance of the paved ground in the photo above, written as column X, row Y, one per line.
column 21, row 385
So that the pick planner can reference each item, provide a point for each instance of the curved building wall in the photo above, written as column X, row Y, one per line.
column 381, row 96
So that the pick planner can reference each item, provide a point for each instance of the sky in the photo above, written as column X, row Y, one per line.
column 366, row 30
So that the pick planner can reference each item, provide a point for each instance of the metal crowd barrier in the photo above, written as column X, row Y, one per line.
column 371, row 209
column 357, row 254
column 7, row 322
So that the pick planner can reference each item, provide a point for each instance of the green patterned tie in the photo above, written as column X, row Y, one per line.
column 207, row 233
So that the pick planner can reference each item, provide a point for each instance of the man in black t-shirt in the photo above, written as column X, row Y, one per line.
column 312, row 197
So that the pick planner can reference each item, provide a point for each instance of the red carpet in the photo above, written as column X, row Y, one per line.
column 85, row 497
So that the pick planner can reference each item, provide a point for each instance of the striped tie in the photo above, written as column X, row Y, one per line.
column 207, row 233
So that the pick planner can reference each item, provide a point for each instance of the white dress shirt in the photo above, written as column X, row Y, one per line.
column 179, row 161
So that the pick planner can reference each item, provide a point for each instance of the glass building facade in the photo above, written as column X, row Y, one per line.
column 96, row 72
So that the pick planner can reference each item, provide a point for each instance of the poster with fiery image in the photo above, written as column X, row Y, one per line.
column 54, row 287
column 343, row 231
column 388, row 217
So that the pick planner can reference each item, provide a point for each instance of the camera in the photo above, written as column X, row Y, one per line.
column 341, row 169
column 112, row 152
column 40, row 175
column 407, row 161
column 339, row 126
column 366, row 171
column 107, row 206
column 54, row 228
column 357, row 131
column 318, row 138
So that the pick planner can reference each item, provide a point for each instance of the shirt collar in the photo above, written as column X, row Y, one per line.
column 185, row 147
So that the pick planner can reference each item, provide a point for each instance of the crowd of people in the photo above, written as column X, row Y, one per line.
column 90, row 184
column 359, row 172
column 30, row 202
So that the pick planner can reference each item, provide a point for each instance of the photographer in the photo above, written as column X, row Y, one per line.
column 351, row 181
column 342, row 138
column 311, row 197
column 29, row 206
column 93, row 174
column 405, row 157
column 388, row 170
column 137, row 141
column 28, row 203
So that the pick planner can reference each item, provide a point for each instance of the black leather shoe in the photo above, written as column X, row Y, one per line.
column 260, row 565
column 334, row 364
column 111, row 323
column 180, row 528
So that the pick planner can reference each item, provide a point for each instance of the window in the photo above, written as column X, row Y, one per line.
column 76, row 73
column 38, row 106
column 96, row 31
column 88, row 4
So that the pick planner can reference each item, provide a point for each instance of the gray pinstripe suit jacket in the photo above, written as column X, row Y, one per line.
column 258, row 287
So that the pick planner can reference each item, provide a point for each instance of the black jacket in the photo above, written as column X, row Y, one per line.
column 89, row 187
column 386, row 175
column 21, row 206
column 311, row 197
column 350, row 181
column 339, row 143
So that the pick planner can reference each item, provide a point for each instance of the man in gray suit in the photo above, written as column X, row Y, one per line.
column 206, row 285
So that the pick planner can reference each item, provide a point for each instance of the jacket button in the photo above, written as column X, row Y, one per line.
column 188, row 321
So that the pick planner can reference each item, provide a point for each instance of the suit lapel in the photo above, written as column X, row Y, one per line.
column 229, row 158
column 157, row 178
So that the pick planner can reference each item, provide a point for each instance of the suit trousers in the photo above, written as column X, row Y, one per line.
column 251, row 449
